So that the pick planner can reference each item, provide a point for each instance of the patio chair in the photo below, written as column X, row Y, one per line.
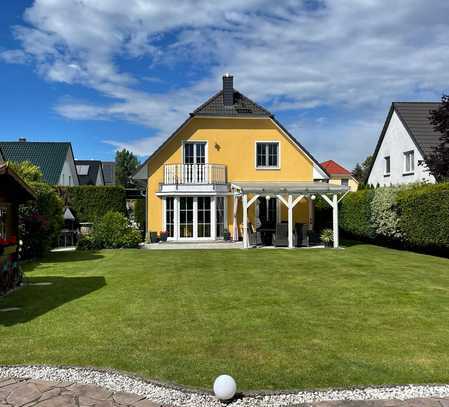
column 254, row 237
column 302, row 236
column 280, row 237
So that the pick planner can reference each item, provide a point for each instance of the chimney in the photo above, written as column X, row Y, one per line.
column 22, row 139
column 228, row 89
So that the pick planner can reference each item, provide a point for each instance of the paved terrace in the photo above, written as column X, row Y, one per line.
column 27, row 392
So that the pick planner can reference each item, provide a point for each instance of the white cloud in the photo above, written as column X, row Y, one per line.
column 347, row 55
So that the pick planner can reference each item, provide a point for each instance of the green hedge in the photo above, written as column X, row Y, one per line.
column 355, row 214
column 415, row 216
column 90, row 202
column 424, row 216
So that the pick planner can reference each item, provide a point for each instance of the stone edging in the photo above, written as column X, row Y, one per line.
column 174, row 395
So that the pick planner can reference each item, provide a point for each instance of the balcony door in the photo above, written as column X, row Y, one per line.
column 195, row 158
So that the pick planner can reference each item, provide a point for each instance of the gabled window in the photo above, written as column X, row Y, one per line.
column 387, row 167
column 409, row 162
column 267, row 154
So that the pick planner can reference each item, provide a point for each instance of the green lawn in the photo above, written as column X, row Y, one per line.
column 273, row 319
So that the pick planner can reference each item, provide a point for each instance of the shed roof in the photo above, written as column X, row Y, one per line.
column 13, row 187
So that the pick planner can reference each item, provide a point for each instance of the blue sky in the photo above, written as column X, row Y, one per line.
column 105, row 77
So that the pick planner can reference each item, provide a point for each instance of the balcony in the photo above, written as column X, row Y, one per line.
column 193, row 176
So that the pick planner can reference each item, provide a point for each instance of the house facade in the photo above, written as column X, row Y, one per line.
column 406, row 138
column 90, row 172
column 229, row 167
column 339, row 175
column 55, row 159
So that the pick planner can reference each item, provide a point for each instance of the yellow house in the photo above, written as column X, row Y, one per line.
column 232, row 170
column 339, row 175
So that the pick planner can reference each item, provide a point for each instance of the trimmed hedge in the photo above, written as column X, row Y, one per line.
column 424, row 216
column 90, row 202
column 355, row 214
column 414, row 216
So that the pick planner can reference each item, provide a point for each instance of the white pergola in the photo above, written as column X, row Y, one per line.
column 290, row 194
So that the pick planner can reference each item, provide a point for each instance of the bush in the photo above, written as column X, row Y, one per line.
column 139, row 212
column 355, row 214
column 110, row 232
column 384, row 213
column 41, row 221
column 424, row 217
column 90, row 202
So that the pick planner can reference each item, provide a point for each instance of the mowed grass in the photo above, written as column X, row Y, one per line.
column 273, row 319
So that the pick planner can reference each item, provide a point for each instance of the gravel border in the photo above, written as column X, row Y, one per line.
column 178, row 396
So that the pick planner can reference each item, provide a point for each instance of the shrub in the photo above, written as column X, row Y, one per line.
column 355, row 214
column 41, row 221
column 139, row 212
column 110, row 232
column 327, row 236
column 90, row 202
column 424, row 216
column 384, row 212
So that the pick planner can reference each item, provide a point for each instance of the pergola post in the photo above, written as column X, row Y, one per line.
column 334, row 204
column 290, row 221
column 235, row 228
column 245, row 220
column 335, row 219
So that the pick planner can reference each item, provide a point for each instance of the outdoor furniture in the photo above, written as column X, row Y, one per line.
column 266, row 234
column 301, row 233
column 280, row 237
column 255, row 238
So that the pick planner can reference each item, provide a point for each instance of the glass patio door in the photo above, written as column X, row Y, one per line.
column 186, row 216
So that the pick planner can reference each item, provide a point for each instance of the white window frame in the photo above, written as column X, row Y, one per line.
column 385, row 165
column 206, row 149
column 406, row 155
column 278, row 167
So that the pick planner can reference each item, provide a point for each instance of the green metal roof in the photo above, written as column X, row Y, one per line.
column 48, row 156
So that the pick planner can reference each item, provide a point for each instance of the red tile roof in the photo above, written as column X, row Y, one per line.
column 335, row 169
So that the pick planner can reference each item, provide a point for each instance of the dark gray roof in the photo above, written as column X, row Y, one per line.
column 48, row 156
column 415, row 117
column 90, row 177
column 242, row 106
column 108, row 172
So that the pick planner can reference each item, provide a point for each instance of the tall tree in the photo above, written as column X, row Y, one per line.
column 361, row 171
column 126, row 164
column 438, row 160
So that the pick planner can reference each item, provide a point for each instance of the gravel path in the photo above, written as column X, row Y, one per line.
column 23, row 386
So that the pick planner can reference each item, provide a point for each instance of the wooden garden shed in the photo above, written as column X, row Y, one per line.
column 13, row 192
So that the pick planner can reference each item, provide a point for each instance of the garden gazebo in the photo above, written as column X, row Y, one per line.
column 289, row 194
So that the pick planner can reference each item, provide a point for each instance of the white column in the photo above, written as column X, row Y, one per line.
column 213, row 217
column 245, row 220
column 164, row 213
column 290, row 221
column 235, row 227
column 176, row 217
column 335, row 219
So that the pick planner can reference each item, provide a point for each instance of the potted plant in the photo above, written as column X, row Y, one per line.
column 327, row 237
column 226, row 235
column 163, row 236
column 153, row 237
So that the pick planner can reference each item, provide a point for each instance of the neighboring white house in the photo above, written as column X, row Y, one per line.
column 406, row 138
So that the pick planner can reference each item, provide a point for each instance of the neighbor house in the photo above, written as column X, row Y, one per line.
column 231, row 166
column 108, row 172
column 55, row 159
column 90, row 172
column 339, row 175
column 406, row 139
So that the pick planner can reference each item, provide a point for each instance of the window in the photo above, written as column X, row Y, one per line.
column 267, row 155
column 203, row 216
column 387, row 165
column 186, row 216
column 3, row 215
column 170, row 216
column 219, row 201
column 345, row 182
column 409, row 162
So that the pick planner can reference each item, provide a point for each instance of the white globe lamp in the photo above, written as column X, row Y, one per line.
column 313, row 197
column 225, row 387
column 268, row 197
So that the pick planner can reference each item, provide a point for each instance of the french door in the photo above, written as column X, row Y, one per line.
column 194, row 160
column 195, row 220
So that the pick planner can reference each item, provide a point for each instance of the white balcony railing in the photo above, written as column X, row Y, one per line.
column 175, row 174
